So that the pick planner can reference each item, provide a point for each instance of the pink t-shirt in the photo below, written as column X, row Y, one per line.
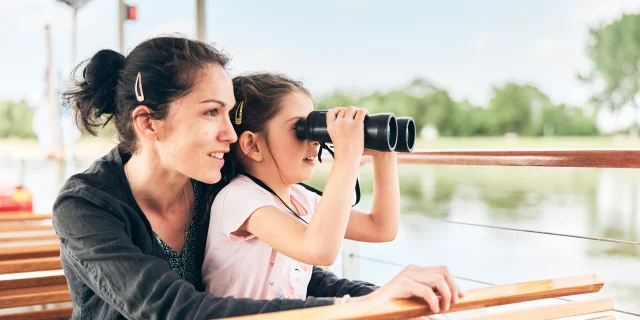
column 247, row 267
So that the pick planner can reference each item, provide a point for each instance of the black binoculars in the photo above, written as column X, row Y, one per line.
column 382, row 131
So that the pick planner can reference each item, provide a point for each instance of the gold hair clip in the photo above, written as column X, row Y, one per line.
column 138, row 86
column 239, row 113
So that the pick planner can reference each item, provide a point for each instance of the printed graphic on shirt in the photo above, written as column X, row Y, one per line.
column 293, row 283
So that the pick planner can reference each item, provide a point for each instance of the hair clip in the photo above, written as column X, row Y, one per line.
column 239, row 113
column 138, row 86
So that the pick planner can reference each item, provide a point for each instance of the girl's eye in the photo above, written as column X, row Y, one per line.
column 212, row 112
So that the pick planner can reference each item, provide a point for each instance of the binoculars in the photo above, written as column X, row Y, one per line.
column 382, row 131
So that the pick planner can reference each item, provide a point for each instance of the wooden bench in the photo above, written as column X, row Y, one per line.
column 29, row 252
column 31, row 275
column 22, row 216
column 24, row 290
column 23, row 224
column 46, row 289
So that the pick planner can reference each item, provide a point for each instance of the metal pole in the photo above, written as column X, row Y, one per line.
column 57, row 147
column 74, row 31
column 121, row 20
column 201, row 21
column 350, row 261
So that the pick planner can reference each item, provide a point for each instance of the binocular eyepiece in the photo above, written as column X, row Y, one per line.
column 382, row 131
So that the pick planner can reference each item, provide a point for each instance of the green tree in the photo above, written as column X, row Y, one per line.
column 16, row 119
column 564, row 120
column 614, row 49
column 518, row 108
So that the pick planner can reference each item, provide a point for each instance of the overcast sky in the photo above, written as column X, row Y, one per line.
column 465, row 46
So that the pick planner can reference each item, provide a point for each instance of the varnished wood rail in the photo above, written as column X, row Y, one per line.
column 28, row 252
column 37, row 282
column 564, row 310
column 17, row 217
column 60, row 313
column 592, row 158
column 25, row 228
column 475, row 298
column 41, row 237
column 29, row 265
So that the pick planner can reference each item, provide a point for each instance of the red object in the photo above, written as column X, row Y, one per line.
column 132, row 13
column 15, row 199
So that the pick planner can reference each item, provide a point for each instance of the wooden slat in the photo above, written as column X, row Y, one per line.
column 32, row 282
column 29, row 265
column 592, row 158
column 12, row 217
column 51, row 314
column 28, row 252
column 475, row 298
column 32, row 299
column 29, row 238
column 38, row 289
column 571, row 309
column 25, row 227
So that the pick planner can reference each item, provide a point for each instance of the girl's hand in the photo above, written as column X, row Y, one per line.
column 346, row 129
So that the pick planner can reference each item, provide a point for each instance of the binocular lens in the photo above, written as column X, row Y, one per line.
column 406, row 134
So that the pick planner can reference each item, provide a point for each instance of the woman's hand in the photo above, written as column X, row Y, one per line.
column 421, row 282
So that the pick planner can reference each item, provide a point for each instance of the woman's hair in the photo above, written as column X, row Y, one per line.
column 105, row 89
column 260, row 95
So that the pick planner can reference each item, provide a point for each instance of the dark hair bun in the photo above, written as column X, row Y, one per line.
column 101, row 76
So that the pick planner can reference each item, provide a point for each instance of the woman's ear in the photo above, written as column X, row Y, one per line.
column 248, row 144
column 144, row 125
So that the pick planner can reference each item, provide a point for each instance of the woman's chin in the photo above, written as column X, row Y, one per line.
column 209, row 178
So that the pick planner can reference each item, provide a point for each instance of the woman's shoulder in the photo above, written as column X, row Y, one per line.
column 100, row 183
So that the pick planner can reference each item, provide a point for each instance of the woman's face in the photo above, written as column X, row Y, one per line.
column 197, row 132
column 295, row 158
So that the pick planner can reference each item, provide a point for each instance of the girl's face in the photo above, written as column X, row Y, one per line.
column 294, row 158
column 198, row 129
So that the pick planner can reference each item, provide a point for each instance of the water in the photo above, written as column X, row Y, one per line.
column 578, row 201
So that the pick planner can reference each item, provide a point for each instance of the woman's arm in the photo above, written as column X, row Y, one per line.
column 382, row 223
column 95, row 246
column 326, row 284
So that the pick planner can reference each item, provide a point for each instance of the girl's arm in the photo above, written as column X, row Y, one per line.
column 382, row 223
column 319, row 242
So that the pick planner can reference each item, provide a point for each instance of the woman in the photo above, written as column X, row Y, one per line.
column 132, row 227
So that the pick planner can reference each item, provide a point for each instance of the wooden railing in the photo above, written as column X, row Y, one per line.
column 475, row 299
column 585, row 158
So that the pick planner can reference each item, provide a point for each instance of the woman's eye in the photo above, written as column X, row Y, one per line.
column 212, row 112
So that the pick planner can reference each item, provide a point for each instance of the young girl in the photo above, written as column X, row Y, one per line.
column 267, row 232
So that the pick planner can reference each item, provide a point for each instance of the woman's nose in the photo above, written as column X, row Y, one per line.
column 227, row 133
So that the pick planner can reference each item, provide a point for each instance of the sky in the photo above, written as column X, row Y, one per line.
column 464, row 46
